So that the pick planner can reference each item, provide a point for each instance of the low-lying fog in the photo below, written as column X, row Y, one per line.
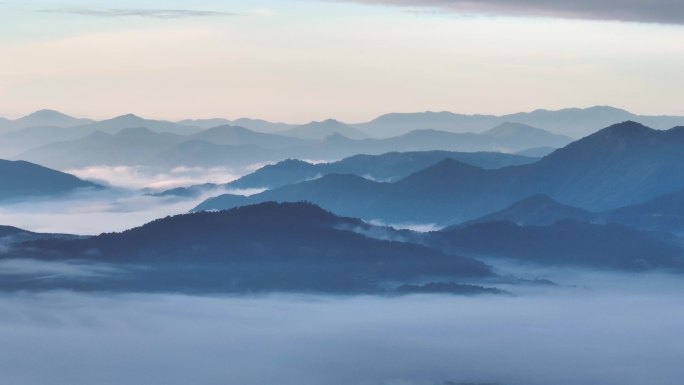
column 595, row 329
column 138, row 177
column 123, row 205
column 93, row 212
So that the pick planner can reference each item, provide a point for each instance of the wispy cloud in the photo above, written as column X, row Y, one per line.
column 55, row 269
column 149, row 13
column 653, row 11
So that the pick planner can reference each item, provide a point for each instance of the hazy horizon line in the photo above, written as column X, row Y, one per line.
column 15, row 116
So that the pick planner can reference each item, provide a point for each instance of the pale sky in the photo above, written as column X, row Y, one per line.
column 303, row 60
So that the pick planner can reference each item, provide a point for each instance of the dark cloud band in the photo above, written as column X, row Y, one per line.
column 652, row 11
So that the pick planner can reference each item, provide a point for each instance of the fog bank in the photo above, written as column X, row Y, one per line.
column 93, row 213
column 557, row 336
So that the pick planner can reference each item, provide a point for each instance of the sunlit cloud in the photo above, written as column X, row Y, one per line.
column 141, row 177
column 626, row 332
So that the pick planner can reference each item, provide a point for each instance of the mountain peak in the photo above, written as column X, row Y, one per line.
column 448, row 169
column 326, row 122
column 46, row 113
column 627, row 128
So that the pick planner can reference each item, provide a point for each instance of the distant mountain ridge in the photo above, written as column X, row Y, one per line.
column 574, row 122
column 321, row 130
column 43, row 118
column 601, row 172
column 238, row 146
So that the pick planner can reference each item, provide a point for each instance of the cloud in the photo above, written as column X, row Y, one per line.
column 91, row 213
column 627, row 332
column 149, row 13
column 55, row 269
column 418, row 227
column 654, row 11
column 145, row 177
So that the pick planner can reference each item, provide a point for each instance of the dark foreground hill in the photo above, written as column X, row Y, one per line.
column 565, row 243
column 267, row 247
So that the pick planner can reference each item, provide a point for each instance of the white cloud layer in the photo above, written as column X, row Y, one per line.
column 141, row 177
column 626, row 331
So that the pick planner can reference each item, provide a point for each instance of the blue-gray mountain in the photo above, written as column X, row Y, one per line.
column 564, row 243
column 268, row 247
column 621, row 165
column 23, row 180
column 662, row 214
column 576, row 122
column 386, row 167
column 237, row 146
column 300, row 247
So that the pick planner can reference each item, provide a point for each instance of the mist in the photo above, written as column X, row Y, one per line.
column 625, row 331
column 95, row 212
column 126, row 202
column 139, row 177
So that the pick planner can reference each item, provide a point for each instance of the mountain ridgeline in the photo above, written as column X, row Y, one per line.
column 267, row 247
column 233, row 146
column 385, row 167
column 621, row 165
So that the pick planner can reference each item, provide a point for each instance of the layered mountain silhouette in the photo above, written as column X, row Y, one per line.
column 663, row 214
column 238, row 136
column 258, row 125
column 237, row 146
column 537, row 210
column 321, row 130
column 517, row 135
column 621, row 165
column 114, row 125
column 576, row 122
column 386, row 167
column 130, row 146
column 23, row 180
column 566, row 242
column 293, row 246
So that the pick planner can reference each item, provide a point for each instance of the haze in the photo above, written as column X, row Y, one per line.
column 302, row 60
column 610, row 329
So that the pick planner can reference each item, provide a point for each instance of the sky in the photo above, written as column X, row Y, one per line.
column 303, row 60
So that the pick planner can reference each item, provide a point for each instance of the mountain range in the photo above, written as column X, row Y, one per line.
column 227, row 146
column 621, row 165
column 575, row 122
column 385, row 167
column 267, row 247
column 301, row 247
column 566, row 242
column 663, row 214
